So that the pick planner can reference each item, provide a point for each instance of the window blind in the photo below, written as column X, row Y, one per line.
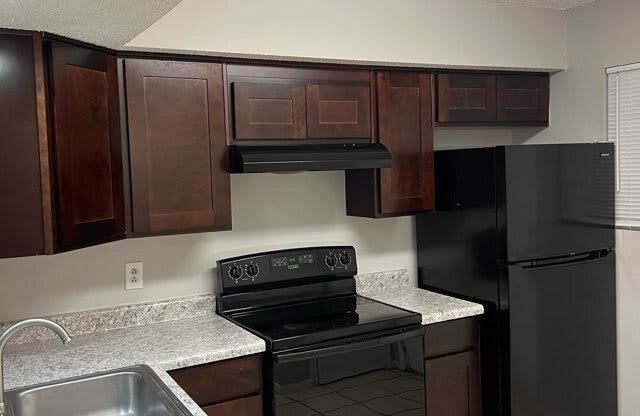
column 623, row 128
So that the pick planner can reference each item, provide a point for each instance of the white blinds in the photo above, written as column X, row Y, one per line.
column 623, row 128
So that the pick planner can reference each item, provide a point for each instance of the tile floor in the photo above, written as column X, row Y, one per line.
column 384, row 392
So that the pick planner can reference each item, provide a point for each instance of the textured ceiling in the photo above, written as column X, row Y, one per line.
column 551, row 4
column 110, row 23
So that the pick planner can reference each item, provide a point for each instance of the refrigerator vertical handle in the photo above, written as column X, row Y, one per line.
column 617, row 144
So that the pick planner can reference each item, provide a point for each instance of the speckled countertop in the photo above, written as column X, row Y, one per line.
column 163, row 346
column 434, row 307
column 182, row 332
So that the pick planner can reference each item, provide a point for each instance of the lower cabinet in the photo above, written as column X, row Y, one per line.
column 224, row 388
column 248, row 406
column 452, row 369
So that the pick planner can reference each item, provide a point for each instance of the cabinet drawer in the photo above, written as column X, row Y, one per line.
column 222, row 381
column 451, row 337
column 338, row 111
column 269, row 111
column 248, row 406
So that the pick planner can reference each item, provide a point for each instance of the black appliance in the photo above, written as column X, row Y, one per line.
column 529, row 232
column 257, row 159
column 328, row 349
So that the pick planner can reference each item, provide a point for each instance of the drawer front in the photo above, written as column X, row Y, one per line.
column 451, row 337
column 248, row 406
column 338, row 111
column 222, row 381
column 269, row 111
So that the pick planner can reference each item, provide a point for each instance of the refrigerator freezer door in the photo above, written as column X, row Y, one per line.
column 562, row 334
column 555, row 200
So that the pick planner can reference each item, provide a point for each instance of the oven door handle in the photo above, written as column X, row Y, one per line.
column 289, row 357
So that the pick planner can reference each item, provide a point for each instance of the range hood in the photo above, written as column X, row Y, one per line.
column 258, row 159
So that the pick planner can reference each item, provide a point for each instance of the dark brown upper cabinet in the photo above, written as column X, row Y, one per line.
column 22, row 106
column 523, row 98
column 269, row 111
column 405, row 127
column 178, row 158
column 338, row 111
column 466, row 98
column 492, row 99
column 274, row 105
column 86, row 126
column 60, row 159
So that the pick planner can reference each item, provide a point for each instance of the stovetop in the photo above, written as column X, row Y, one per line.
column 306, row 323
column 303, row 296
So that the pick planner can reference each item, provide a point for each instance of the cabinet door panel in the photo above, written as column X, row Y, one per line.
column 179, row 163
column 338, row 111
column 523, row 98
column 21, row 221
column 87, row 144
column 466, row 98
column 453, row 385
column 405, row 127
column 221, row 381
column 269, row 111
column 248, row 406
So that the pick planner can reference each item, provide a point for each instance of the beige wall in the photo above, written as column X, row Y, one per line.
column 433, row 32
column 602, row 34
column 306, row 208
column 270, row 211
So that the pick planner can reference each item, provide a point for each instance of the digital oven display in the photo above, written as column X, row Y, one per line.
column 292, row 261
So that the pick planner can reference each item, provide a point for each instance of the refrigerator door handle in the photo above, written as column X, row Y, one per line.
column 564, row 261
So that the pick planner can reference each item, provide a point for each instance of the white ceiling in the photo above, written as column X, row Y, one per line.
column 551, row 4
column 113, row 23
column 110, row 23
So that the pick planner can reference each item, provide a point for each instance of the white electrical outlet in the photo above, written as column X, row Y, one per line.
column 133, row 276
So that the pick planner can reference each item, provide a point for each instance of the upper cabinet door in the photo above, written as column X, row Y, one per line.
column 523, row 98
column 269, row 111
column 406, row 128
column 338, row 111
column 466, row 98
column 87, row 146
column 179, row 162
column 21, row 219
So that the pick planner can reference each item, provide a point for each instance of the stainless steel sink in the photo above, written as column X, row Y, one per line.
column 128, row 391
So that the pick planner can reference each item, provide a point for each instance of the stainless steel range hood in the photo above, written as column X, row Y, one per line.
column 257, row 159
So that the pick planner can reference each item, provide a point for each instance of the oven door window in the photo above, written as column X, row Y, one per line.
column 380, row 380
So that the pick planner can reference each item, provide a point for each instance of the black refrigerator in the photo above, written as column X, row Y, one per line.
column 528, row 231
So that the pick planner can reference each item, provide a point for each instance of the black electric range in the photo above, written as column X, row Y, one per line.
column 319, row 332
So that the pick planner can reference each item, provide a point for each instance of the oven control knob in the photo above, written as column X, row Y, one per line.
column 235, row 272
column 331, row 260
column 253, row 270
column 345, row 258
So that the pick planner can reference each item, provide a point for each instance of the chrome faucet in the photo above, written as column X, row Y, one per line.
column 9, row 332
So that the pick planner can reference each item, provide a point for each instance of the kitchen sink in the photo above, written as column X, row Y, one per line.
column 128, row 391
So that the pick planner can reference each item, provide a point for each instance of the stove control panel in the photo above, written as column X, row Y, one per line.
column 287, row 265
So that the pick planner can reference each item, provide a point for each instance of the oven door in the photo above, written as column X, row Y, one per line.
column 366, row 375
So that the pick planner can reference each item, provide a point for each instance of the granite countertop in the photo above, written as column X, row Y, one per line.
column 434, row 307
column 182, row 332
column 163, row 346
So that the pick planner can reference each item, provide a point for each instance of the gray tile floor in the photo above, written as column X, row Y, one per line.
column 384, row 392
